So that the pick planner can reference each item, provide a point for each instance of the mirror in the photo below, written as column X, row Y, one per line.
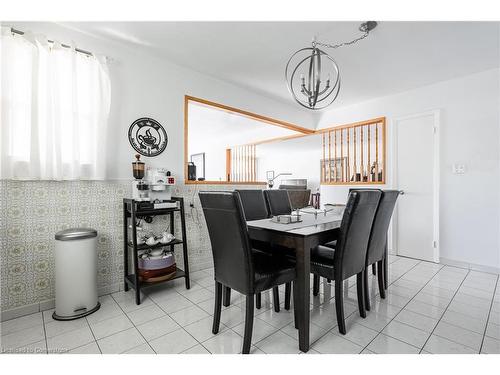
column 225, row 145
column 221, row 142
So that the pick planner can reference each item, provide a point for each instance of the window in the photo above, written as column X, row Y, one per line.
column 55, row 106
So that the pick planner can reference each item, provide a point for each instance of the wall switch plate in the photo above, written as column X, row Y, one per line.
column 458, row 168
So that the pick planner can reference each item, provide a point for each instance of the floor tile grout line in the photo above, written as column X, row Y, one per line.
column 402, row 276
column 231, row 328
column 444, row 312
column 45, row 334
column 340, row 335
column 455, row 325
column 71, row 330
column 90, row 325
column 181, row 326
column 132, row 325
column 336, row 325
column 255, row 316
column 411, row 299
column 93, row 335
column 489, row 313
column 377, row 293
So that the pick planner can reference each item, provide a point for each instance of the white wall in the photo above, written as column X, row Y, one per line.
column 469, row 203
column 155, row 88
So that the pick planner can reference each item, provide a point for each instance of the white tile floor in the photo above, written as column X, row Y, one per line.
column 430, row 308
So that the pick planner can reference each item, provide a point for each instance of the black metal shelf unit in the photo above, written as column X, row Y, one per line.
column 132, row 211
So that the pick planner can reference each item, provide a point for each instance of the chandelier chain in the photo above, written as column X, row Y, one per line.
column 313, row 77
column 316, row 43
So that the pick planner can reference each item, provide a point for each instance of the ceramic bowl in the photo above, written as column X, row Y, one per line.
column 156, row 252
column 167, row 237
column 151, row 241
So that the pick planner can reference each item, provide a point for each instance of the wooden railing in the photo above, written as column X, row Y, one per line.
column 354, row 154
column 241, row 163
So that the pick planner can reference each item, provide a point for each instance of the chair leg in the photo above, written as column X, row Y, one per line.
column 386, row 276
column 227, row 296
column 367, row 290
column 339, row 305
column 288, row 295
column 381, row 286
column 374, row 269
column 217, row 308
column 294, row 290
column 258, row 300
column 315, row 285
column 361, row 293
column 276, row 299
column 247, row 338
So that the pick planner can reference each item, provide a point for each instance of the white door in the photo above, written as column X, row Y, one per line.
column 417, row 176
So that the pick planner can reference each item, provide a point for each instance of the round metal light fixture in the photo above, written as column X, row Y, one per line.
column 315, row 92
column 313, row 77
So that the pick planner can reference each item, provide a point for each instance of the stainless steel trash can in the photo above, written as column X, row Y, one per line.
column 76, row 273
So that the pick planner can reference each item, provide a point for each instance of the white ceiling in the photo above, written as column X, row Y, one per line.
column 396, row 57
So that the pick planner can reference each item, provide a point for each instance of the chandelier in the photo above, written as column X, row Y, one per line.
column 314, row 80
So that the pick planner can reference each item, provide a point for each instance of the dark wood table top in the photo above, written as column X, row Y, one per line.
column 309, row 225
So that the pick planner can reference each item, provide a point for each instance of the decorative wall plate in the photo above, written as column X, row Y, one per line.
column 147, row 137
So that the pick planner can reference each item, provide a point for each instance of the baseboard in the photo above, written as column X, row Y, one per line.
column 49, row 304
column 209, row 263
column 20, row 311
column 113, row 288
column 470, row 266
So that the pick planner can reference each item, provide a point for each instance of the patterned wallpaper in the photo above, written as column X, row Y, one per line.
column 33, row 211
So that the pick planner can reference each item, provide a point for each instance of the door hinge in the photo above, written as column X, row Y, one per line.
column 434, row 244
column 434, row 129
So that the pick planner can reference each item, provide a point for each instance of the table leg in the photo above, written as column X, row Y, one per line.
column 303, row 267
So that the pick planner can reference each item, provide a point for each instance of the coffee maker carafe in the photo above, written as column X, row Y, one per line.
column 140, row 189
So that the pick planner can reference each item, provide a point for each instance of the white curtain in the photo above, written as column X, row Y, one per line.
column 54, row 110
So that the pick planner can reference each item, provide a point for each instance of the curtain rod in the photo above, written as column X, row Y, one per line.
column 19, row 32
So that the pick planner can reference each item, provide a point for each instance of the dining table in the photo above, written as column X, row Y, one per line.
column 314, row 228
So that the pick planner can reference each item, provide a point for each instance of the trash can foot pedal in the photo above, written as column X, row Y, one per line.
column 77, row 316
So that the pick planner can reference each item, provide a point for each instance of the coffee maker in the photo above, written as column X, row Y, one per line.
column 161, row 184
column 140, row 188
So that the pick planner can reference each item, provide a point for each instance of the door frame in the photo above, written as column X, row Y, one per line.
column 436, row 175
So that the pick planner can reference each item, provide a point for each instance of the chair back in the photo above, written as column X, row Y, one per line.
column 355, row 229
column 253, row 203
column 231, row 248
column 278, row 202
column 378, row 237
column 299, row 198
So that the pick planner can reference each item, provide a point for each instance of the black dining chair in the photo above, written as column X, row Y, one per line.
column 374, row 266
column 255, row 208
column 254, row 204
column 377, row 245
column 349, row 256
column 299, row 198
column 278, row 202
column 235, row 264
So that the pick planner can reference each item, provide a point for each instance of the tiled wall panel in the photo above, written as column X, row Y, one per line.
column 33, row 211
